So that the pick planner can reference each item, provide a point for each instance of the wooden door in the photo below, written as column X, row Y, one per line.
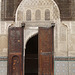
column 15, row 47
column 46, row 50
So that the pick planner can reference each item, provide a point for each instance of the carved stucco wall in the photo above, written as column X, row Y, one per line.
column 63, row 37
column 64, row 32
column 33, row 6
column 70, row 37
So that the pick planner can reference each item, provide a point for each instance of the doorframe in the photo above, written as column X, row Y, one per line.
column 33, row 30
column 30, row 35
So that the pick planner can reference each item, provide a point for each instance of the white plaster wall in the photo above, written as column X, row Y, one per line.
column 0, row 15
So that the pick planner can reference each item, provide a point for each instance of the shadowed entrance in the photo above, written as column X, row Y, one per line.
column 31, row 56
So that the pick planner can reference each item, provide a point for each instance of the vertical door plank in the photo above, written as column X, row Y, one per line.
column 46, row 51
column 15, row 48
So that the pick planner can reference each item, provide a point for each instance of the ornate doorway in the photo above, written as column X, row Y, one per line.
column 43, row 15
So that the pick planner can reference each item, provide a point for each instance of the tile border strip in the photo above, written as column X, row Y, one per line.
column 64, row 58
column 3, row 58
column 55, row 58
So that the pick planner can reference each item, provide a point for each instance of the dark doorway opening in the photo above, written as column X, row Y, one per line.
column 31, row 56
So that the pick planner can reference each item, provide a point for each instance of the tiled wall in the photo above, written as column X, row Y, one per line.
column 3, row 67
column 64, row 67
column 60, row 67
column 71, row 67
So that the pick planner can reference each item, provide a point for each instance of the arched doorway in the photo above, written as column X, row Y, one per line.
column 31, row 56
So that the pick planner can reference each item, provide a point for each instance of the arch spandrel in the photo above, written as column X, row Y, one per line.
column 20, row 16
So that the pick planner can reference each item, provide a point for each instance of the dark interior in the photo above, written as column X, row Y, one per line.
column 31, row 56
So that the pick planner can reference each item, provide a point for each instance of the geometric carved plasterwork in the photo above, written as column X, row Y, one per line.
column 4, row 26
column 20, row 16
column 53, row 15
column 63, row 33
column 33, row 6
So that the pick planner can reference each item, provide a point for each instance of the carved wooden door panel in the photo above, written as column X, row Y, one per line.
column 46, row 50
column 15, row 47
column 15, row 65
